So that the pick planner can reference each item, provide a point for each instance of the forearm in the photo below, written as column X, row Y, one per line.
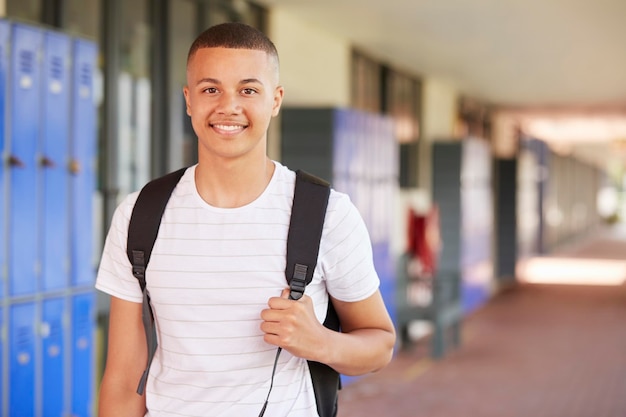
column 358, row 352
column 119, row 398
column 126, row 359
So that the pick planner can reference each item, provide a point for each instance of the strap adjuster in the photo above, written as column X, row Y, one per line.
column 139, row 264
column 139, row 271
column 298, row 282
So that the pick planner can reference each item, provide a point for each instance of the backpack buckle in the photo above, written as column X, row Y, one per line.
column 298, row 282
column 139, row 271
column 139, row 264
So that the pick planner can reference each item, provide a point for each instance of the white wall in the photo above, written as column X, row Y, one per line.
column 439, row 104
column 314, row 65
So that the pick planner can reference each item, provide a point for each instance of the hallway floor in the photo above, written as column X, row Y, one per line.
column 537, row 349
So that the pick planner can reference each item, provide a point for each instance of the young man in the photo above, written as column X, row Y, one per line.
column 216, row 276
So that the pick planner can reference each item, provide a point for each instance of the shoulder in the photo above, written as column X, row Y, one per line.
column 124, row 210
column 340, row 208
column 339, row 204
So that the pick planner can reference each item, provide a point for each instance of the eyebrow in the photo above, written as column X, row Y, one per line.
column 216, row 81
column 251, row 81
column 208, row 80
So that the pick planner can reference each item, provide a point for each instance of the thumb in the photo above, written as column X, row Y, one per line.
column 285, row 293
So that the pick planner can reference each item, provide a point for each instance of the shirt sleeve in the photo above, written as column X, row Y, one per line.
column 346, row 252
column 115, row 275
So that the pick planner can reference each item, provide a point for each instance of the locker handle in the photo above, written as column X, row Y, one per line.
column 14, row 161
column 74, row 166
column 47, row 162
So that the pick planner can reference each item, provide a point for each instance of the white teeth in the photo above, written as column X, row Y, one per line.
column 229, row 128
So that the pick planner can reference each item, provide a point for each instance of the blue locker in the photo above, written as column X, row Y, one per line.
column 2, row 369
column 55, row 150
column 53, row 352
column 24, row 137
column 22, row 360
column 83, row 153
column 4, row 63
column 83, row 327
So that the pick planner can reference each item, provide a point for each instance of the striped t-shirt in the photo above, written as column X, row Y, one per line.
column 211, row 273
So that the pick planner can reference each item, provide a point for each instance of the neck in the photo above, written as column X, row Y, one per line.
column 233, row 184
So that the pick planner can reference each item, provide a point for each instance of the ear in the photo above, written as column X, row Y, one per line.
column 187, row 104
column 279, row 93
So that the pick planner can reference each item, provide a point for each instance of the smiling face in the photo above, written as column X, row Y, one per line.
column 231, row 96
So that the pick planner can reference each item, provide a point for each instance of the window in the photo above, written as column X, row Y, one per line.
column 82, row 17
column 366, row 84
column 28, row 10
column 381, row 89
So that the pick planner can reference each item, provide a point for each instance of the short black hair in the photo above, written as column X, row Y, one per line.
column 235, row 36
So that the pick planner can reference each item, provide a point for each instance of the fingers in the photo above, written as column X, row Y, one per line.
column 280, row 319
column 279, row 308
column 292, row 325
column 280, row 303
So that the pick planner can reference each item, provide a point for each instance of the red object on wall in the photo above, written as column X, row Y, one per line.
column 424, row 239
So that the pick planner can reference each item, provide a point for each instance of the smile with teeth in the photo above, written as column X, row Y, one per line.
column 228, row 127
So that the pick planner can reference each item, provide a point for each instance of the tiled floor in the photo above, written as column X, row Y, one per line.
column 539, row 350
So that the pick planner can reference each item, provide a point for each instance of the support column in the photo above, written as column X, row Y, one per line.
column 439, row 112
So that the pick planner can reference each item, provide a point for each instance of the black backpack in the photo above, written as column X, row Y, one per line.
column 303, row 240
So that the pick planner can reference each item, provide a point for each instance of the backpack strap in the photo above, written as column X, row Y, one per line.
column 303, row 241
column 142, row 233
column 305, row 230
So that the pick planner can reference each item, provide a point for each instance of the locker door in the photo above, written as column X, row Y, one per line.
column 24, row 135
column 83, row 327
column 53, row 352
column 22, row 360
column 4, row 62
column 83, row 160
column 55, row 148
column 3, row 401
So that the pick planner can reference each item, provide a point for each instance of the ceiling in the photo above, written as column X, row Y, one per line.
column 564, row 56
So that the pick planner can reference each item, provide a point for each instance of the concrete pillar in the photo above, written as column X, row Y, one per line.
column 439, row 114
column 504, row 132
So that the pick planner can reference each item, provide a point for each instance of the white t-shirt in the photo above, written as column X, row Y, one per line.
column 211, row 273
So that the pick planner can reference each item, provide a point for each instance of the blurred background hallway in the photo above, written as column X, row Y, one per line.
column 552, row 347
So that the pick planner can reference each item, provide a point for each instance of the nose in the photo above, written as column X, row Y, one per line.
column 229, row 103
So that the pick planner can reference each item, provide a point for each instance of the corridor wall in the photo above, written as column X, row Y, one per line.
column 47, row 182
column 557, row 198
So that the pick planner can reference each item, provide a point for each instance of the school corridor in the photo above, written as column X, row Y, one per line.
column 540, row 349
